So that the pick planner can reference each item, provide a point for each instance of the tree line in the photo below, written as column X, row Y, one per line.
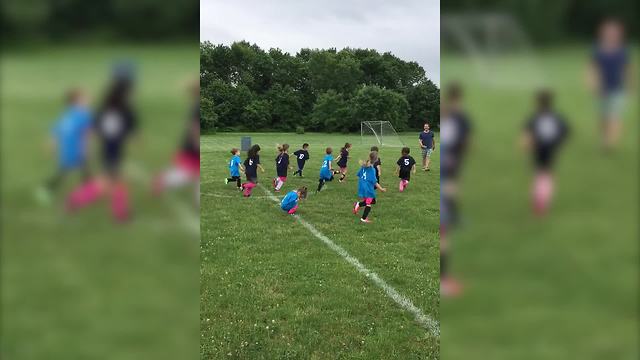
column 552, row 22
column 24, row 21
column 244, row 87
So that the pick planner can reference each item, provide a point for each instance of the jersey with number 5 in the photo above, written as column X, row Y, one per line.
column 406, row 163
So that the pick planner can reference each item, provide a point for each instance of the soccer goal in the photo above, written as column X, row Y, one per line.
column 495, row 47
column 379, row 133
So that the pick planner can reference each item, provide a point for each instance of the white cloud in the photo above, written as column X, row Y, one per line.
column 409, row 29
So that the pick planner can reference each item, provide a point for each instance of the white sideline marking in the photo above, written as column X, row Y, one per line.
column 191, row 223
column 426, row 321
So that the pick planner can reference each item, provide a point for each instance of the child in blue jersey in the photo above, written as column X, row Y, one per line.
column 341, row 160
column 367, row 185
column 70, row 135
column 235, row 167
column 290, row 202
column 326, row 171
column 282, row 166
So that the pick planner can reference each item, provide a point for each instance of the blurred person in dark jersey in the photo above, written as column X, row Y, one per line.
column 544, row 133
column 69, row 140
column 455, row 128
column 186, row 162
column 609, row 76
column 115, row 122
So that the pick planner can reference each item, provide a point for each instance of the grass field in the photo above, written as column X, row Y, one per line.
column 80, row 287
column 564, row 287
column 271, row 290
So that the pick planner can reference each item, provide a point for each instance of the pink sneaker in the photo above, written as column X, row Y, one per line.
column 365, row 220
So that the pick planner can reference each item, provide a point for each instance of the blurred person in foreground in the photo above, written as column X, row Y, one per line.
column 114, row 123
column 544, row 133
column 609, row 75
column 186, row 163
column 455, row 129
column 69, row 139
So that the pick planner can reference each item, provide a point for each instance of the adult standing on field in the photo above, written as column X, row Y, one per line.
column 428, row 145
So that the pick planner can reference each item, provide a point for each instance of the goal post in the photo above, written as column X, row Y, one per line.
column 380, row 133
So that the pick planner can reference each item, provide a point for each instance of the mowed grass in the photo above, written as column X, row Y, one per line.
column 563, row 287
column 82, row 287
column 271, row 290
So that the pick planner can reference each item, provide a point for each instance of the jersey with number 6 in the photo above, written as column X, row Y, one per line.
column 251, row 167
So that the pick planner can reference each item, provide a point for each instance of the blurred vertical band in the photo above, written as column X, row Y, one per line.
column 544, row 250
column 98, row 100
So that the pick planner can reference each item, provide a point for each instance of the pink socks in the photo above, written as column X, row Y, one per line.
column 403, row 184
column 248, row 187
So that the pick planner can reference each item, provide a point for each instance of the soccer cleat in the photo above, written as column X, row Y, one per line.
column 356, row 207
column 365, row 220
column 226, row 181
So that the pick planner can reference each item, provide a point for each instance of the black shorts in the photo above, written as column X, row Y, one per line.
column 252, row 179
column 405, row 175
column 300, row 165
column 543, row 157
column 282, row 173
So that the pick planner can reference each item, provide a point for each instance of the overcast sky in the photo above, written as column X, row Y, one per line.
column 410, row 29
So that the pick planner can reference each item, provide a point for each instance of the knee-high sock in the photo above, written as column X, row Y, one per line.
column 320, row 184
column 342, row 176
column 238, row 182
column 120, row 202
column 444, row 268
column 367, row 210
column 248, row 187
column 279, row 184
column 84, row 195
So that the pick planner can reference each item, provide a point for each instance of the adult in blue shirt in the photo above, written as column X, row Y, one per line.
column 428, row 145
column 608, row 75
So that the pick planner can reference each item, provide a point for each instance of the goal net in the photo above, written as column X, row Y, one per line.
column 494, row 46
column 379, row 133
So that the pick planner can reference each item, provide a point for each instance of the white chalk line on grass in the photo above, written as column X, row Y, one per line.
column 190, row 222
column 424, row 320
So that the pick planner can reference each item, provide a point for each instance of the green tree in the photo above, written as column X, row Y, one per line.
column 286, row 110
column 331, row 113
column 373, row 103
column 257, row 115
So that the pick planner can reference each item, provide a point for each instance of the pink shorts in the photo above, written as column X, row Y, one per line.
column 369, row 201
column 343, row 169
column 282, row 178
column 188, row 162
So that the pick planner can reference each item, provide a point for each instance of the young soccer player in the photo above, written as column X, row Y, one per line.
column 282, row 166
column 235, row 165
column 69, row 139
column 406, row 166
column 290, row 202
column 326, row 171
column 302, row 156
column 341, row 160
column 367, row 186
column 378, row 164
column 455, row 132
column 251, row 166
column 544, row 133
column 185, row 169
column 114, row 124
